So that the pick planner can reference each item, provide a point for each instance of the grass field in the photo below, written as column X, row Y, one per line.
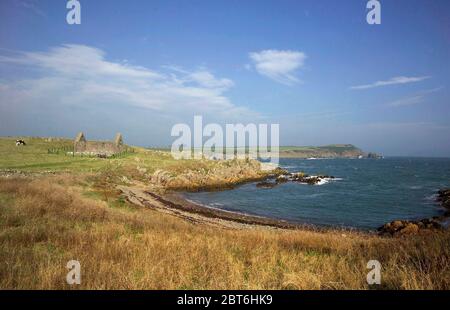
column 35, row 157
column 139, row 165
column 74, row 213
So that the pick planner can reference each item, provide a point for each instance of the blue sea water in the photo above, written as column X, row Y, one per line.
column 366, row 194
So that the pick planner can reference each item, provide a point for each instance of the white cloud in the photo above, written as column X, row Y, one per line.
column 79, row 74
column 278, row 65
column 406, row 101
column 392, row 81
column 206, row 79
column 73, row 60
column 415, row 99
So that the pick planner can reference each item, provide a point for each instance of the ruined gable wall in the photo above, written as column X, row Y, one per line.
column 98, row 147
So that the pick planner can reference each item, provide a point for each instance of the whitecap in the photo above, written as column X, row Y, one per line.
column 323, row 181
column 432, row 197
column 415, row 187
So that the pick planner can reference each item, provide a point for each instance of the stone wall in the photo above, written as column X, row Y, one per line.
column 98, row 148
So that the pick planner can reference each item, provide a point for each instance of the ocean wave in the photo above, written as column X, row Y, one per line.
column 212, row 205
column 315, row 195
column 315, row 158
column 328, row 180
column 323, row 181
column 415, row 187
column 216, row 204
column 432, row 197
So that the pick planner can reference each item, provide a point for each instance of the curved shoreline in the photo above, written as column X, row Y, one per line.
column 176, row 205
column 435, row 222
column 173, row 203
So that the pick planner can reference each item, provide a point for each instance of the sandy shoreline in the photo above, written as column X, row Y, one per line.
column 173, row 203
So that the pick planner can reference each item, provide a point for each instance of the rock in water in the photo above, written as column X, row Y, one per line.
column 266, row 185
column 444, row 198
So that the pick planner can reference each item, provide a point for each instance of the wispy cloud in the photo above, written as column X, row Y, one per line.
column 202, row 77
column 313, row 116
column 278, row 65
column 393, row 81
column 407, row 101
column 32, row 6
column 414, row 99
column 407, row 126
column 77, row 74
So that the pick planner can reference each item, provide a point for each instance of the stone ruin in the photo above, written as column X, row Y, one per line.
column 98, row 148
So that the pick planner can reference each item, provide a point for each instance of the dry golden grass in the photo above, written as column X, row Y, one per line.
column 46, row 222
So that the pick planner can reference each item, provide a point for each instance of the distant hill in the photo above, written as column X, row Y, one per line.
column 326, row 151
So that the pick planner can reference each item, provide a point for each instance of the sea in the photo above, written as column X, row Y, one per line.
column 365, row 194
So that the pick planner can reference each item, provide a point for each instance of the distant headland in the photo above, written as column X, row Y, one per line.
column 326, row 151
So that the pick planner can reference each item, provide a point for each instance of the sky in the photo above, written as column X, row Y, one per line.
column 315, row 67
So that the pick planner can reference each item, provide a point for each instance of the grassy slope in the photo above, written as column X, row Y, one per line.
column 34, row 157
column 46, row 221
column 141, row 165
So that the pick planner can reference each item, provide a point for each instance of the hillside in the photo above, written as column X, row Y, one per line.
column 48, row 156
column 326, row 151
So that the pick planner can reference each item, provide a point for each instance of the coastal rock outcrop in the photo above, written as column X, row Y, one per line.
column 401, row 227
column 303, row 178
column 209, row 175
column 374, row 155
column 444, row 199
column 299, row 177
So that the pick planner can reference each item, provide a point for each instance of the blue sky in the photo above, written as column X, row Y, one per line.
column 315, row 67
